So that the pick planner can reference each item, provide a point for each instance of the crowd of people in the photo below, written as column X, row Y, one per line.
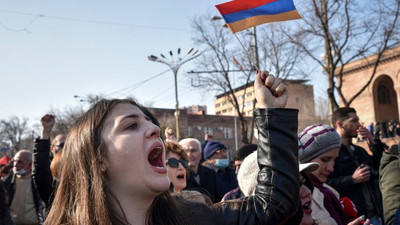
column 384, row 129
column 114, row 168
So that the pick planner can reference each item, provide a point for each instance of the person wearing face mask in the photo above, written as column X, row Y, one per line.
column 216, row 158
column 24, row 201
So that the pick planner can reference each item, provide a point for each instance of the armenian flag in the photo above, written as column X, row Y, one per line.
column 243, row 14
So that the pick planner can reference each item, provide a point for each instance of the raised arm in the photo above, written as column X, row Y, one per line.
column 41, row 173
column 277, row 192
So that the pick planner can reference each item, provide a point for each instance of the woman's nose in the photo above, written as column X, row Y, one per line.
column 330, row 167
column 181, row 166
column 304, row 191
column 153, row 130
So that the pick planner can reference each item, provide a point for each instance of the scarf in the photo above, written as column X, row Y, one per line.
column 331, row 203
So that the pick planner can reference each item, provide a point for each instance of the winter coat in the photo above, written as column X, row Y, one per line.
column 276, row 196
column 341, row 179
column 319, row 212
column 207, row 186
column 41, row 173
column 390, row 185
column 10, row 186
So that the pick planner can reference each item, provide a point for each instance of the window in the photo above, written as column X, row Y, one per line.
column 227, row 133
column 383, row 95
column 297, row 100
column 208, row 130
column 190, row 131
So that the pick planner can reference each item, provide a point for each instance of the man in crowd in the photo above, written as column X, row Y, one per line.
column 241, row 154
column 216, row 158
column 24, row 201
column 355, row 173
column 200, row 178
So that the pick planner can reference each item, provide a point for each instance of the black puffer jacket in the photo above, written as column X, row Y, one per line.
column 277, row 193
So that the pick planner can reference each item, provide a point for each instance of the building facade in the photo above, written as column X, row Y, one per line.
column 380, row 100
column 301, row 96
column 194, row 122
column 198, row 125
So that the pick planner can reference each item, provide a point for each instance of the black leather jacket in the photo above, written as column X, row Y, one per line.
column 41, row 173
column 277, row 193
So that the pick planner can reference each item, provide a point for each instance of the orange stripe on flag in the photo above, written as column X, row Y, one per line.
column 240, row 5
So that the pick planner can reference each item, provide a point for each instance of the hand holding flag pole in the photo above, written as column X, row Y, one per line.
column 243, row 14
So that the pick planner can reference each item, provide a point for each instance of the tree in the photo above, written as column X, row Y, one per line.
column 224, row 65
column 322, row 111
column 342, row 31
column 13, row 131
column 65, row 119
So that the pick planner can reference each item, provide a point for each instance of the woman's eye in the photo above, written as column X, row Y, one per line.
column 325, row 160
column 132, row 126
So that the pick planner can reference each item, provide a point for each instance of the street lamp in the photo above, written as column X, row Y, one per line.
column 80, row 98
column 175, row 62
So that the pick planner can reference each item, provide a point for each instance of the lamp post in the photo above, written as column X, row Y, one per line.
column 80, row 98
column 174, row 62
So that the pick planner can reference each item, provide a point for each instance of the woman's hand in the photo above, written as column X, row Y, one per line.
column 170, row 134
column 47, row 121
column 270, row 91
column 360, row 221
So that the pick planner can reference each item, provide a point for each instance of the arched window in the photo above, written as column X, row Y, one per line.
column 383, row 95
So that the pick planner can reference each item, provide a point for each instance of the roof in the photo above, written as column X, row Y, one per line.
column 369, row 61
column 287, row 81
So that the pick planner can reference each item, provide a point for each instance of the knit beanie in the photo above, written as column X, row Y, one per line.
column 211, row 147
column 315, row 140
column 247, row 175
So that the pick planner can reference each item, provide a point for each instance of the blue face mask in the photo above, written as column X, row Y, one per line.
column 222, row 163
column 19, row 172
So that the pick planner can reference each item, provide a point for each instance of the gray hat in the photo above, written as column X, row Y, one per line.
column 315, row 140
column 247, row 176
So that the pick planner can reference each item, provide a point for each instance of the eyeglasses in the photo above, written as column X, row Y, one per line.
column 174, row 163
column 61, row 145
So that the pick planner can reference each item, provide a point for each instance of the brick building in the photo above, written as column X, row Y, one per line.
column 301, row 96
column 197, row 125
column 194, row 122
column 380, row 101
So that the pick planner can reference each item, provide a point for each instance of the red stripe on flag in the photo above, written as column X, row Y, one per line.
column 240, row 5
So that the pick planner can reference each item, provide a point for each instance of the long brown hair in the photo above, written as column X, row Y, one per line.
column 83, row 196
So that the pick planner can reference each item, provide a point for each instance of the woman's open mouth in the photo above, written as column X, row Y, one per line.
column 180, row 177
column 155, row 157
column 307, row 207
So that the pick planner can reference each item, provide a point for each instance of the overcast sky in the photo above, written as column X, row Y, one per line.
column 51, row 50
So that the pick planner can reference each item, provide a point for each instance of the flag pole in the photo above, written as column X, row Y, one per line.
column 247, row 53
